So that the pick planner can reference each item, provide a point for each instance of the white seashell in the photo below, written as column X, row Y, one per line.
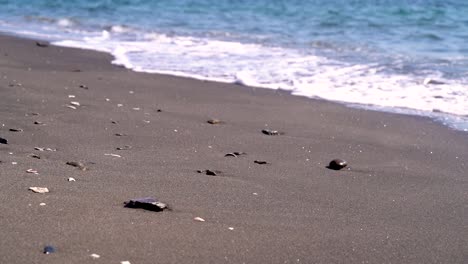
column 199, row 219
column 39, row 189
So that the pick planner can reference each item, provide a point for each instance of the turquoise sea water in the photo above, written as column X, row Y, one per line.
column 402, row 56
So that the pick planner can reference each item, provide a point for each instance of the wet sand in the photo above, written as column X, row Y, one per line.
column 402, row 198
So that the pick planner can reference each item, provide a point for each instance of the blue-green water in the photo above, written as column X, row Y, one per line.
column 389, row 55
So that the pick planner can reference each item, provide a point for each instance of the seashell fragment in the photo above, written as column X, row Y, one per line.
column 261, row 162
column 16, row 129
column 75, row 103
column 272, row 132
column 199, row 219
column 113, row 155
column 39, row 189
column 32, row 171
column 215, row 122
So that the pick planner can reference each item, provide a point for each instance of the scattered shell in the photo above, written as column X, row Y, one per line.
column 231, row 228
column 147, row 203
column 261, row 162
column 136, row 108
column 114, row 122
column 14, row 162
column 45, row 149
column 71, row 96
column 113, row 155
column 94, row 256
column 71, row 107
column 271, row 132
column 107, row 100
column 215, row 122
column 199, row 219
column 42, row 204
column 77, row 164
column 230, row 155
column 119, row 105
column 16, row 130
column 49, row 250
column 337, row 164
column 39, row 189
column 159, row 110
column 235, row 154
column 125, row 262
column 75, row 103
column 32, row 171
column 71, row 179
column 3, row 141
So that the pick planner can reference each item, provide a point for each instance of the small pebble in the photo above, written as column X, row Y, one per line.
column 209, row 172
column 337, row 164
column 147, row 203
column 38, row 123
column 231, row 228
column 199, row 219
column 49, row 250
column 94, row 256
column 42, row 204
column 39, row 189
column 16, row 130
column 77, row 164
column 271, row 132
column 71, row 96
column 215, row 121
column 261, row 162
column 3, row 141
column 82, row 86
column 42, row 44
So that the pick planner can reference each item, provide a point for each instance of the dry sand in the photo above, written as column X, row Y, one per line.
column 403, row 200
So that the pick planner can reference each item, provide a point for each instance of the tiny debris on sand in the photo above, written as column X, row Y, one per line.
column 337, row 164
column 234, row 154
column 272, row 132
column 39, row 189
column 147, row 203
column 215, row 122
column 49, row 250
column 77, row 164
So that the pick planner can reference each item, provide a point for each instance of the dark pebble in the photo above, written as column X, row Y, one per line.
column 3, row 141
column 49, row 250
column 159, row 110
column 147, row 203
column 42, row 44
column 271, row 132
column 35, row 156
column 215, row 121
column 261, row 162
column 78, row 165
column 16, row 130
column 209, row 172
column 120, row 134
column 124, row 148
column 82, row 86
column 38, row 123
column 337, row 164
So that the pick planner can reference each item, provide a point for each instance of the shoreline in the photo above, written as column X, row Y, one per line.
column 402, row 200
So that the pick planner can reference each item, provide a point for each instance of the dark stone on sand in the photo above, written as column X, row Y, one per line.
column 120, row 134
column 48, row 250
column 209, row 172
column 215, row 121
column 3, row 141
column 77, row 164
column 82, row 86
column 114, row 122
column 38, row 123
column 261, row 162
column 337, row 164
column 124, row 148
column 159, row 110
column 16, row 130
column 42, row 44
column 35, row 156
column 271, row 132
column 147, row 203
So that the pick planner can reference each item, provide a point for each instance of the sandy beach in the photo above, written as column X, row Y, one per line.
column 402, row 199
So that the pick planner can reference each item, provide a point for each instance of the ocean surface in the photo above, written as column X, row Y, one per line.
column 404, row 56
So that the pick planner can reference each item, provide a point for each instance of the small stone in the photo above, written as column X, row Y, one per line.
column 71, row 179
column 82, row 86
column 199, row 219
column 120, row 134
column 39, row 189
column 271, row 132
column 159, row 110
column 337, row 164
column 38, row 123
column 3, row 141
column 75, row 103
column 147, row 203
column 42, row 204
column 261, row 162
column 126, row 147
column 42, row 44
column 16, row 130
column 215, row 121
column 49, row 250
column 94, row 256
column 77, row 164
column 210, row 172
